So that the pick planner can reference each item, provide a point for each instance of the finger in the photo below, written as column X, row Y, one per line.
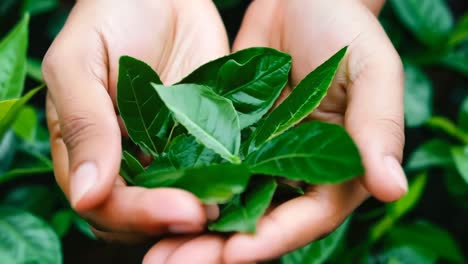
column 160, row 252
column 374, row 115
column 205, row 249
column 296, row 223
column 75, row 73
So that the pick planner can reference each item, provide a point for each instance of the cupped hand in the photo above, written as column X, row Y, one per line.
column 366, row 98
column 81, row 70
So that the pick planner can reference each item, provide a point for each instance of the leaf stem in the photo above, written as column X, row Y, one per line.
column 170, row 136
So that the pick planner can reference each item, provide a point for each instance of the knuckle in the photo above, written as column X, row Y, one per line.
column 76, row 128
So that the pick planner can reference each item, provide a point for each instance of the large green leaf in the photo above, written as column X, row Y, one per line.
column 429, row 20
column 209, row 117
column 144, row 114
column 418, row 96
column 10, row 109
column 460, row 156
column 430, row 239
column 434, row 153
column 243, row 212
column 186, row 152
column 319, row 251
column 314, row 152
column 299, row 104
column 212, row 184
column 13, row 50
column 252, row 79
column 27, row 239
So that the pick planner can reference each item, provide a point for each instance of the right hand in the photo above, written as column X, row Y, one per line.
column 81, row 70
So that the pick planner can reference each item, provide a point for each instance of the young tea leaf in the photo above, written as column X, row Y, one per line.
column 210, row 118
column 130, row 167
column 212, row 184
column 251, row 78
column 299, row 104
column 13, row 50
column 315, row 152
column 186, row 152
column 243, row 212
column 144, row 114
column 9, row 109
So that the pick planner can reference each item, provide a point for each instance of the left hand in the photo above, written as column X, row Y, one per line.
column 366, row 97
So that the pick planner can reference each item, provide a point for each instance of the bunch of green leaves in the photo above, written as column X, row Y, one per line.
column 212, row 131
column 32, row 216
column 434, row 39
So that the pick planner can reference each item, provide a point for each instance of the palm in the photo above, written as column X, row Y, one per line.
column 312, row 31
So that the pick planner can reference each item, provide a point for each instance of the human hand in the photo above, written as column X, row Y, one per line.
column 366, row 97
column 81, row 70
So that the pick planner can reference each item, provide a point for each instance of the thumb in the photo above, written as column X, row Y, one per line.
column 374, row 118
column 86, row 144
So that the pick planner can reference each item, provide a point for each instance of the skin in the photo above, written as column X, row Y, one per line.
column 81, row 70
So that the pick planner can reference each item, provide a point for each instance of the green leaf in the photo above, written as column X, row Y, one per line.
column 130, row 167
column 144, row 114
column 463, row 115
column 186, row 152
column 9, row 111
column 457, row 59
column 210, row 118
column 418, row 96
column 35, row 7
column 27, row 239
column 34, row 70
column 25, row 125
column 460, row 156
column 430, row 20
column 299, row 104
column 402, row 255
column 62, row 221
column 433, row 153
column 319, row 251
column 83, row 227
column 430, row 239
column 13, row 50
column 243, row 212
column 8, row 148
column 212, row 184
column 252, row 79
column 398, row 209
column 460, row 33
column 448, row 127
column 315, row 152
column 37, row 199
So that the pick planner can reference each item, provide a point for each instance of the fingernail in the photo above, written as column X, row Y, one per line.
column 212, row 212
column 82, row 181
column 184, row 228
column 397, row 172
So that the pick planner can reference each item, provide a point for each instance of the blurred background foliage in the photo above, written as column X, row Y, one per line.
column 427, row 226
